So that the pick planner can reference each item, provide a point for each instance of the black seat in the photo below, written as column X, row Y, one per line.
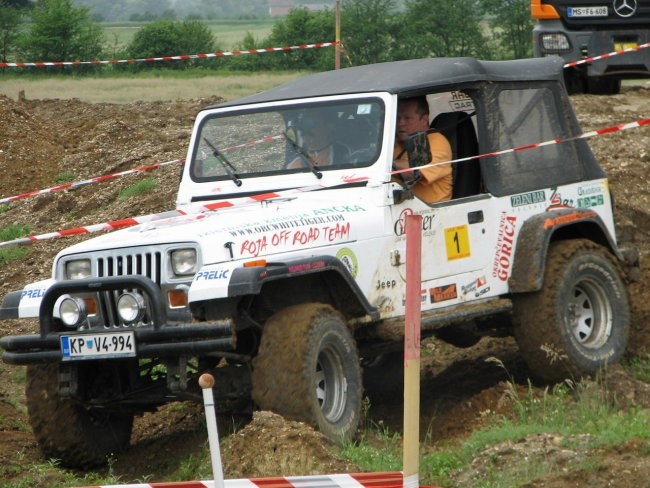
column 458, row 128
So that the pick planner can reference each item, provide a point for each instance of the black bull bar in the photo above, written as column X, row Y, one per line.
column 158, row 339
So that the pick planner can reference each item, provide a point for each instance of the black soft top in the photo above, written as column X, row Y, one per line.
column 406, row 77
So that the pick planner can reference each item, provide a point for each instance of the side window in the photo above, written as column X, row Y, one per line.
column 524, row 117
column 452, row 115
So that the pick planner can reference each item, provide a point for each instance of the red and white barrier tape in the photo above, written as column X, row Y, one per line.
column 96, row 179
column 607, row 55
column 171, row 216
column 183, row 57
column 141, row 169
column 183, row 216
column 584, row 135
column 353, row 480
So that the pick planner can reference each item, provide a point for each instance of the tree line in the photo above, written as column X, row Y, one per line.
column 371, row 31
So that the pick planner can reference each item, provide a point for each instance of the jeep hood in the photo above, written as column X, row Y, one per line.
column 255, row 229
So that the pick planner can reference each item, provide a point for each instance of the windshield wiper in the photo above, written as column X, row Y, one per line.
column 310, row 161
column 227, row 165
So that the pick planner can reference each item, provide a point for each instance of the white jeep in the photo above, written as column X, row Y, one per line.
column 288, row 284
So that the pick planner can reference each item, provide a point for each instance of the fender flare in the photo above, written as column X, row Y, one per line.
column 536, row 235
column 250, row 280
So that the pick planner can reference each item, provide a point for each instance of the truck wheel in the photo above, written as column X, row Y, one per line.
column 579, row 321
column 307, row 368
column 78, row 437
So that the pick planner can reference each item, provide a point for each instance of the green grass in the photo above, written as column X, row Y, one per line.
column 9, row 233
column 228, row 33
column 146, row 86
column 65, row 177
column 139, row 188
column 14, row 231
column 567, row 411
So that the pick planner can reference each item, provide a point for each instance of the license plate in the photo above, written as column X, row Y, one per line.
column 618, row 46
column 98, row 346
column 587, row 11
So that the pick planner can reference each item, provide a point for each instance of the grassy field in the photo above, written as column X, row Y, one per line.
column 228, row 33
column 166, row 85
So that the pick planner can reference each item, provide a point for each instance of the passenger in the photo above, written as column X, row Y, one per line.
column 432, row 184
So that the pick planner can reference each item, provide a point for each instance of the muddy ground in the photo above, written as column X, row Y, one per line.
column 44, row 141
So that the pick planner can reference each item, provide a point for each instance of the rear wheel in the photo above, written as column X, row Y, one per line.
column 79, row 437
column 579, row 321
column 308, row 369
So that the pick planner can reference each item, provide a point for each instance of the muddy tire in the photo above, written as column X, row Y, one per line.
column 78, row 437
column 308, row 369
column 579, row 321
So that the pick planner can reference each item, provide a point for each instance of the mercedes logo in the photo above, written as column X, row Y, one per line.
column 624, row 8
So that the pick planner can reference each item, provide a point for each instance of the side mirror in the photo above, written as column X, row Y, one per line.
column 417, row 149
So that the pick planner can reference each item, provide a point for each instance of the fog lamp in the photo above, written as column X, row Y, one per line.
column 72, row 312
column 130, row 307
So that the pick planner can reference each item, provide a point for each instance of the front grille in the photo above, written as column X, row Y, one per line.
column 147, row 264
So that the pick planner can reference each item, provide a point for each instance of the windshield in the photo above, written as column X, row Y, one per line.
column 288, row 139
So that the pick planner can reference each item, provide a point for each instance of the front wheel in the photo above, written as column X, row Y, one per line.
column 77, row 436
column 579, row 321
column 307, row 368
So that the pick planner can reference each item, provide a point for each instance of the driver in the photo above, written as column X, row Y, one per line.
column 317, row 133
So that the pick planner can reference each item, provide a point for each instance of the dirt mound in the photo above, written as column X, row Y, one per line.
column 50, row 141
column 277, row 442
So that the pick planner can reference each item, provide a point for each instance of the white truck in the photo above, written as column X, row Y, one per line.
column 288, row 284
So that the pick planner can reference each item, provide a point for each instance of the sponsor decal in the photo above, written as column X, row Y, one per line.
column 505, row 243
column 428, row 219
column 589, row 190
column 285, row 224
column 530, row 198
column 592, row 201
column 33, row 293
column 557, row 201
column 568, row 218
column 461, row 102
column 473, row 286
column 424, row 296
column 325, row 234
column 443, row 293
column 214, row 274
column 349, row 260
column 299, row 268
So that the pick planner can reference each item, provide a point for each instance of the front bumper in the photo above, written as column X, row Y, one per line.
column 157, row 338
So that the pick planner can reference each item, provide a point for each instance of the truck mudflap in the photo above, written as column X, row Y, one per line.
column 155, row 338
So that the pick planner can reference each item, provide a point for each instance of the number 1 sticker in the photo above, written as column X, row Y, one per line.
column 457, row 242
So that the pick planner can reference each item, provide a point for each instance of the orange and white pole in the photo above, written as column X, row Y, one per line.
column 206, row 382
column 411, row 453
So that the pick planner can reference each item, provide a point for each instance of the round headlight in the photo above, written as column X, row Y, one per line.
column 183, row 261
column 72, row 312
column 130, row 307
column 78, row 269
